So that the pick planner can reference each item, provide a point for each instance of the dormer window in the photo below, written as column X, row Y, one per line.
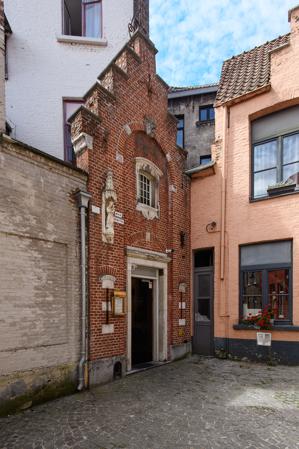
column 82, row 18
column 147, row 186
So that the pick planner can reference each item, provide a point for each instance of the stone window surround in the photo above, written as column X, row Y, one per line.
column 148, row 167
column 137, row 257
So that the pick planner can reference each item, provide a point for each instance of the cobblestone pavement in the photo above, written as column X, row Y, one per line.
column 195, row 403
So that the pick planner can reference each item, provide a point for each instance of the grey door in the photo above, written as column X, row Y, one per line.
column 203, row 338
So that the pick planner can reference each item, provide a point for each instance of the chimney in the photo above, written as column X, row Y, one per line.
column 141, row 15
column 294, row 19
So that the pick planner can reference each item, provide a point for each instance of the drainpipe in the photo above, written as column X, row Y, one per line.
column 83, row 200
column 224, row 298
column 223, row 195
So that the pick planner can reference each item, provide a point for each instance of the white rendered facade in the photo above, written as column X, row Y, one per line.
column 45, row 67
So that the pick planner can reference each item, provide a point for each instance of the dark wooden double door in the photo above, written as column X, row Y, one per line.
column 142, row 321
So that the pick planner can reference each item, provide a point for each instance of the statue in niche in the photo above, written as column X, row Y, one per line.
column 110, row 209
column 108, row 201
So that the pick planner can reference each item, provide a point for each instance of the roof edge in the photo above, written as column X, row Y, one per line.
column 38, row 152
column 200, row 168
column 244, row 97
column 192, row 92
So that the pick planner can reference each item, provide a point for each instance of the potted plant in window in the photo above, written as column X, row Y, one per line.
column 251, row 320
column 262, row 320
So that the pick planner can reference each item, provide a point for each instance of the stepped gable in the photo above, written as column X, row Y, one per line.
column 248, row 72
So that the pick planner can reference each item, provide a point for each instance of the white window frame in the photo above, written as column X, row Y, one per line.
column 148, row 169
column 148, row 197
column 82, row 39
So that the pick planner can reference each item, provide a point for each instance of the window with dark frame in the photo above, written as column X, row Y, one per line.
column 275, row 153
column 265, row 280
column 180, row 136
column 69, row 107
column 206, row 114
column 82, row 18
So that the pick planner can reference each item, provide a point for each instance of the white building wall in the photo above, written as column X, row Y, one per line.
column 43, row 70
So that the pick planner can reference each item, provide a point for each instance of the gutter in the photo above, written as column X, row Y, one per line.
column 83, row 200
column 193, row 91
column 200, row 168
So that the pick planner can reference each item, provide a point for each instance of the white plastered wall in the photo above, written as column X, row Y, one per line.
column 43, row 70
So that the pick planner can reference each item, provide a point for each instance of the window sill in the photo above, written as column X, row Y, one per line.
column 275, row 327
column 206, row 122
column 265, row 198
column 82, row 40
column 147, row 211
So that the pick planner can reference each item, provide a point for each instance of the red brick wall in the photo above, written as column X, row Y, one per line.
column 136, row 94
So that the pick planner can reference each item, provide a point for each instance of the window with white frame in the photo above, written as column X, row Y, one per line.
column 146, row 188
column 147, row 184
column 82, row 18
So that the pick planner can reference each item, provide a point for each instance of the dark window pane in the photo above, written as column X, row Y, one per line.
column 252, row 293
column 203, row 305
column 291, row 149
column 203, row 258
column 72, row 17
column 203, row 115
column 212, row 114
column 265, row 155
column 263, row 180
column 203, row 285
column 278, row 288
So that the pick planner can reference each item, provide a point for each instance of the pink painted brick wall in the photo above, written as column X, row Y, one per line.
column 246, row 222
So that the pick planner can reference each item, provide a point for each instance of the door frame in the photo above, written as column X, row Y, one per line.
column 210, row 269
column 159, row 261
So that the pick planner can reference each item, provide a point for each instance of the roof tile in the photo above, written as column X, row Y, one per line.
column 247, row 72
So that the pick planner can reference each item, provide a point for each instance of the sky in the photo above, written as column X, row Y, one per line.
column 194, row 37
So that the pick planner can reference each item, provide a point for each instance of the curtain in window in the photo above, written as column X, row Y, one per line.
column 92, row 19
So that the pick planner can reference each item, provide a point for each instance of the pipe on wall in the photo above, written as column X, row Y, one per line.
column 223, row 194
column 83, row 201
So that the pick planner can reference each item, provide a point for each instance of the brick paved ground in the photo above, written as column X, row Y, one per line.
column 195, row 403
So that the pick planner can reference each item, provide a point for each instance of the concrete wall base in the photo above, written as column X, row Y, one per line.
column 102, row 371
column 180, row 351
column 282, row 352
column 21, row 390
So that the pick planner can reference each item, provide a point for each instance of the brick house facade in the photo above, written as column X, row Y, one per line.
column 125, row 138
